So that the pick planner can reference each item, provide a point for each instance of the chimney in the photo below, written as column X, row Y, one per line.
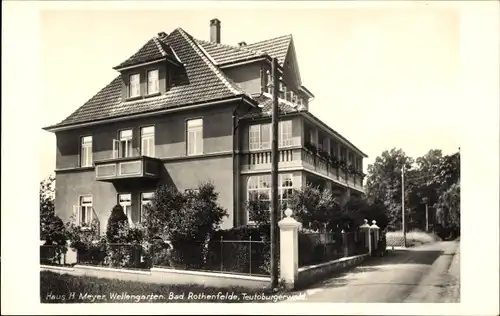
column 242, row 44
column 215, row 31
column 162, row 35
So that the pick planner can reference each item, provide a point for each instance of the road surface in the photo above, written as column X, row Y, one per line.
column 428, row 273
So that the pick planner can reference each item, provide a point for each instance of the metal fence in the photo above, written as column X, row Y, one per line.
column 218, row 255
column 250, row 257
column 315, row 248
column 53, row 254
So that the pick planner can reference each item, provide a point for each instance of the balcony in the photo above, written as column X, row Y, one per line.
column 300, row 158
column 140, row 167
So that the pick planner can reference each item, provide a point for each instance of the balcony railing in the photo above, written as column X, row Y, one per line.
column 130, row 167
column 300, row 158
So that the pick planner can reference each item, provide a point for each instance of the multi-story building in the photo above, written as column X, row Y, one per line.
column 183, row 111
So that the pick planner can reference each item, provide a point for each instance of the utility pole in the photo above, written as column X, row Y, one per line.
column 274, row 175
column 426, row 218
column 403, row 221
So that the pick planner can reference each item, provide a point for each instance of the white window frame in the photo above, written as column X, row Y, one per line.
column 194, row 137
column 126, row 205
column 285, row 133
column 261, row 185
column 256, row 134
column 269, row 82
column 84, row 208
column 153, row 81
column 134, row 88
column 148, row 141
column 123, row 146
column 145, row 201
column 86, row 151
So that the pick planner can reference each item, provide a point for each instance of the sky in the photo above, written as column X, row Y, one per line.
column 382, row 77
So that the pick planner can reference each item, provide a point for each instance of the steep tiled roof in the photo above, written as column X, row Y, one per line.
column 154, row 49
column 224, row 54
column 274, row 47
column 206, row 82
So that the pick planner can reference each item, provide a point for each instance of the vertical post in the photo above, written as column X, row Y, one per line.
column 221, row 254
column 289, row 254
column 426, row 218
column 274, row 176
column 403, row 222
column 250, row 253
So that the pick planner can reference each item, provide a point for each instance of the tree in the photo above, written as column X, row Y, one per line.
column 116, row 231
column 383, row 183
column 315, row 208
column 358, row 209
column 447, row 180
column 186, row 219
column 52, row 228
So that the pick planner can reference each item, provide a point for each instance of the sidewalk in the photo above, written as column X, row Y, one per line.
column 452, row 291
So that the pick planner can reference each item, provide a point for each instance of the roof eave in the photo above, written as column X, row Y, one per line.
column 309, row 93
column 154, row 61
column 60, row 127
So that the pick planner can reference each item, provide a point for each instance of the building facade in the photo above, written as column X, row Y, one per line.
column 183, row 111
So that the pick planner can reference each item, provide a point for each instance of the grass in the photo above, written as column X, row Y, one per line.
column 413, row 238
column 65, row 288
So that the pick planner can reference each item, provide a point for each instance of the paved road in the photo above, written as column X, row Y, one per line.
column 420, row 274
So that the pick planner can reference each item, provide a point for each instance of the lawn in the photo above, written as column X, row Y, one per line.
column 65, row 288
column 413, row 238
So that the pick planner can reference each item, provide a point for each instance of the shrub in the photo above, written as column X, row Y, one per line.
column 313, row 207
column 186, row 220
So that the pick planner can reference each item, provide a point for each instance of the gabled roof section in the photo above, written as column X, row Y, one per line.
column 206, row 83
column 226, row 54
column 275, row 47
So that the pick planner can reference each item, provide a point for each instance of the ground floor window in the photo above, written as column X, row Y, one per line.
column 125, row 201
column 84, row 211
column 259, row 188
column 146, row 198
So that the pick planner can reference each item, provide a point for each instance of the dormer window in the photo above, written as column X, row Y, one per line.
column 153, row 82
column 135, row 86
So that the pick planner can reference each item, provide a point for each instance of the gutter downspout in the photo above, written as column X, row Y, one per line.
column 236, row 164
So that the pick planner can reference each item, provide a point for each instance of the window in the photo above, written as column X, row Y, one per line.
column 195, row 137
column 123, row 146
column 260, row 135
column 134, row 86
column 125, row 200
column 282, row 91
column 285, row 133
column 85, row 212
column 145, row 200
column 290, row 96
column 148, row 141
column 86, row 152
column 153, row 82
column 269, row 80
column 285, row 190
column 259, row 188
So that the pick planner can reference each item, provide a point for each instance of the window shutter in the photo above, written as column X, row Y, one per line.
column 116, row 147
column 76, row 215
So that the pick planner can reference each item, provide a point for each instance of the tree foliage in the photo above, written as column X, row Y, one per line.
column 52, row 228
column 315, row 208
column 429, row 180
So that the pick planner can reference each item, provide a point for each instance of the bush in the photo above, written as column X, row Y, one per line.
column 186, row 220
